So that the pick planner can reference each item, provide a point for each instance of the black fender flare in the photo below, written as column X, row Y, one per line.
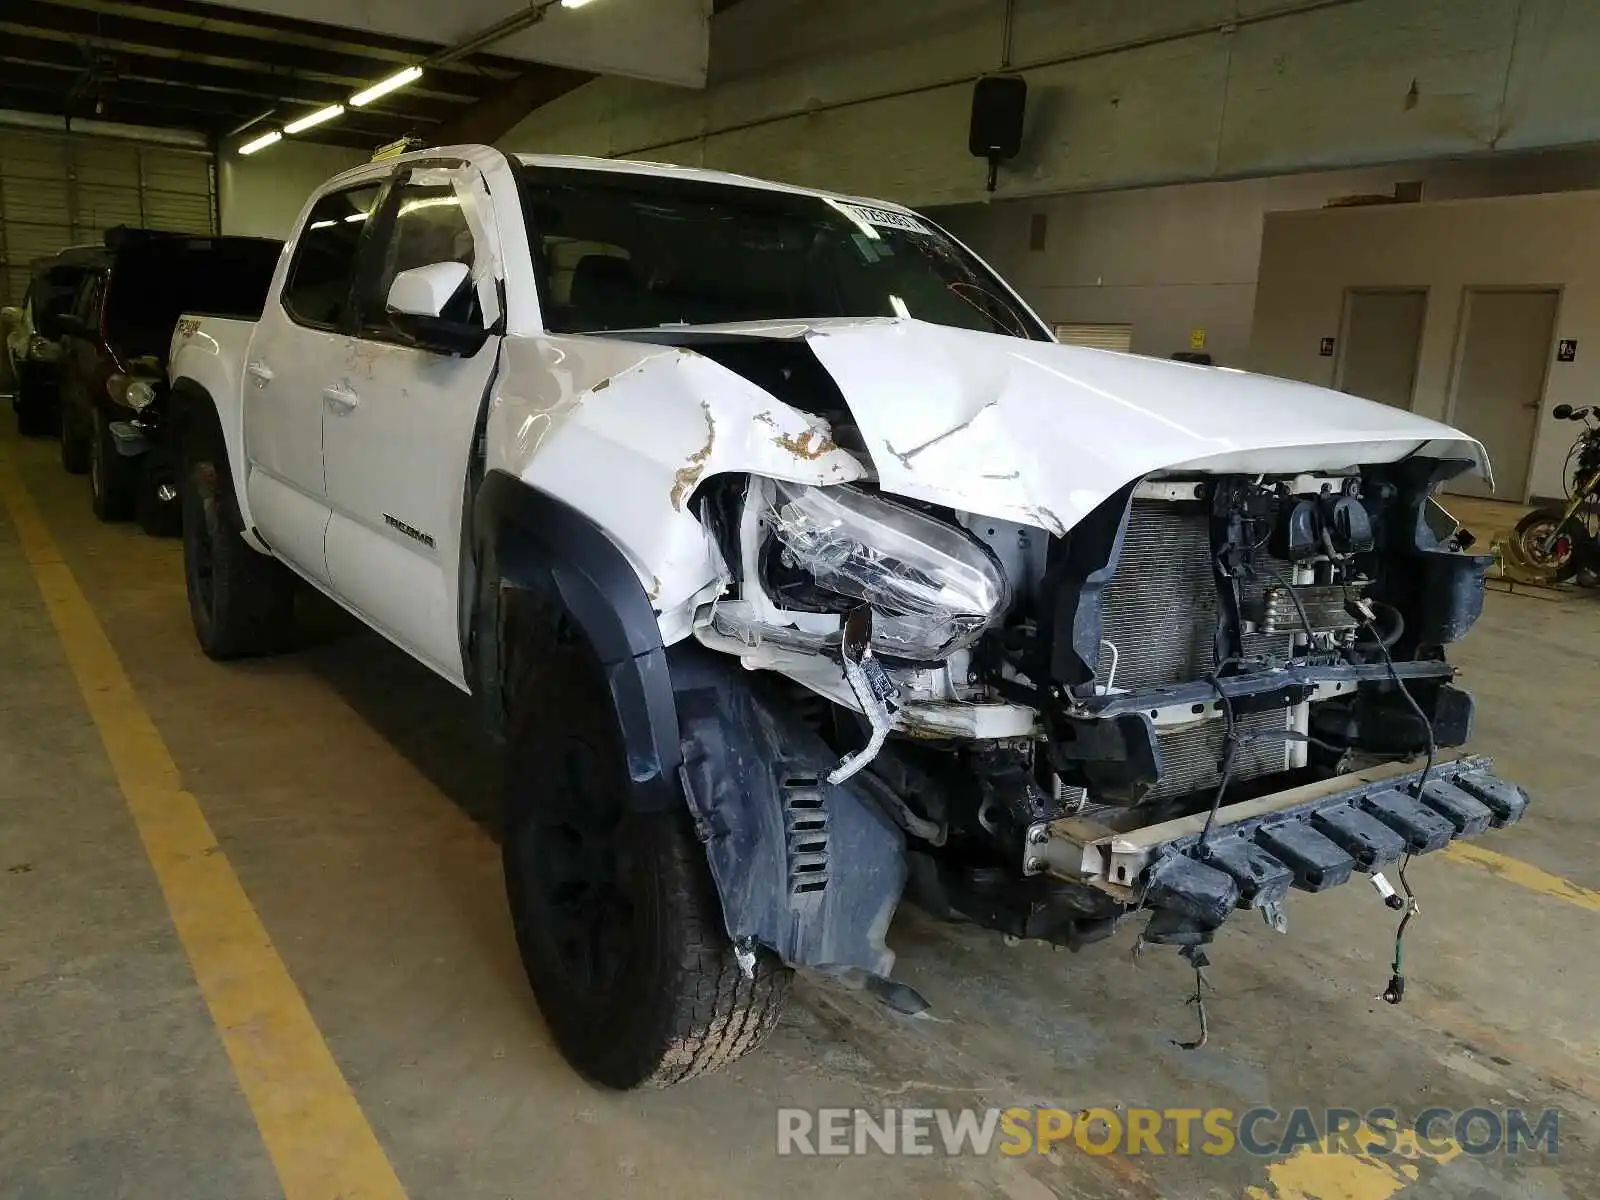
column 187, row 403
column 527, row 539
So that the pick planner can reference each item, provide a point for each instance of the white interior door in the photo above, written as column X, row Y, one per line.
column 1506, row 342
column 1380, row 342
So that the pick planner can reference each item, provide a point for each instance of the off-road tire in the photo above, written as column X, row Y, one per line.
column 241, row 601
column 111, row 478
column 74, row 447
column 676, row 1002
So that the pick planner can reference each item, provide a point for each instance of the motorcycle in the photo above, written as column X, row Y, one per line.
column 1560, row 543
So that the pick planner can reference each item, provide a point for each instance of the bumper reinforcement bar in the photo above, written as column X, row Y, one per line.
column 1312, row 837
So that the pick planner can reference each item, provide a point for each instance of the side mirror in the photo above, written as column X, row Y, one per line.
column 1562, row 412
column 418, row 296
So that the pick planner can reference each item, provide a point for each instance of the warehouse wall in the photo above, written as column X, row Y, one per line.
column 262, row 194
column 1168, row 261
column 874, row 97
column 1309, row 259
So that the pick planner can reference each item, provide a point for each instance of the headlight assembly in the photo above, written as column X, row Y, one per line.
column 932, row 588
column 136, row 394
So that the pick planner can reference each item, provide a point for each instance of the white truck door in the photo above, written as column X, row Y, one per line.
column 398, row 436
column 301, row 347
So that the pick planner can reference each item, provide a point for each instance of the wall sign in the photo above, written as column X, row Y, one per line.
column 1327, row 348
column 1567, row 350
column 1197, row 339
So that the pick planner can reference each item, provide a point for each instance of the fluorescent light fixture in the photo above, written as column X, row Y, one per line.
column 391, row 84
column 573, row 3
column 261, row 143
column 355, row 218
column 316, row 118
column 323, row 224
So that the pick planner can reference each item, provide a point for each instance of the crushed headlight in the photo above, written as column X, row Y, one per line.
column 933, row 589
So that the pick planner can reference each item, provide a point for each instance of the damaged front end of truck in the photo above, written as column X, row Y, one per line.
column 1085, row 637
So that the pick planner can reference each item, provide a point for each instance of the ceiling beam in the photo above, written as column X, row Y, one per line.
column 225, row 18
column 494, row 116
column 263, row 86
column 37, row 18
column 49, row 89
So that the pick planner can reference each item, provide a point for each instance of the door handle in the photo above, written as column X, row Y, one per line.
column 259, row 370
column 340, row 398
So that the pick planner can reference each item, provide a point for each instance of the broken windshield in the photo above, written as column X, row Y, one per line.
column 617, row 250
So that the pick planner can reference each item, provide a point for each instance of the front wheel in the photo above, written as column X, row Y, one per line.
column 616, row 915
column 1536, row 545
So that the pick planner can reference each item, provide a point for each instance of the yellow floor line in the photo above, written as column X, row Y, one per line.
column 1525, row 875
column 313, row 1128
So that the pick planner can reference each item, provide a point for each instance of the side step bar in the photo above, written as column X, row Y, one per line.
column 1313, row 838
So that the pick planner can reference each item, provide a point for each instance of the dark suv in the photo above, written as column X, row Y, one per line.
column 33, row 344
column 114, row 362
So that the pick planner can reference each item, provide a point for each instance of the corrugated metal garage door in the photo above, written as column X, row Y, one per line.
column 58, row 190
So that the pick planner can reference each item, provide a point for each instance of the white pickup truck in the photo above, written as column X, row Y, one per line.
column 798, row 567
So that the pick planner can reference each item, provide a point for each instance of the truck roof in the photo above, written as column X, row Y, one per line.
column 579, row 162
column 627, row 166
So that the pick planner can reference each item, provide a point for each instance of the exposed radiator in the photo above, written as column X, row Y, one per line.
column 1160, row 611
column 1192, row 754
column 1160, row 607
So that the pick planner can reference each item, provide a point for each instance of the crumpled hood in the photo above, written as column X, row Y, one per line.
column 1041, row 433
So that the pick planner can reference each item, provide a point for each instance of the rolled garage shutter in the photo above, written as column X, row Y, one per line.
column 59, row 190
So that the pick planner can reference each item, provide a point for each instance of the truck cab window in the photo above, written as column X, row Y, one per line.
column 324, row 266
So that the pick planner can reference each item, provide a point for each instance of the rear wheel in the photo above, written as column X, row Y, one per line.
column 616, row 916
column 111, row 477
column 1536, row 545
column 241, row 601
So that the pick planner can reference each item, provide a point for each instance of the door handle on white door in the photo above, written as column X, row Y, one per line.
column 340, row 398
column 259, row 370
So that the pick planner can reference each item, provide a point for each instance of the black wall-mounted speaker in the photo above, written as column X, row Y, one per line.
column 999, row 104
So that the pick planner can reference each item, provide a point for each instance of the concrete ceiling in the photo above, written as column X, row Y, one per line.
column 213, row 68
column 667, row 41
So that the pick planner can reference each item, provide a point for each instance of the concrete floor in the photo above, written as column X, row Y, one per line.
column 355, row 802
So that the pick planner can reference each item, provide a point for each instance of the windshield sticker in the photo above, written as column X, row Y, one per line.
column 883, row 218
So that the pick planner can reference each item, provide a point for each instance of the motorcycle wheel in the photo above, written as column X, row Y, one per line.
column 1530, row 546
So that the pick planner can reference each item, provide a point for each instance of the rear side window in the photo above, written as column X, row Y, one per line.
column 324, row 267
